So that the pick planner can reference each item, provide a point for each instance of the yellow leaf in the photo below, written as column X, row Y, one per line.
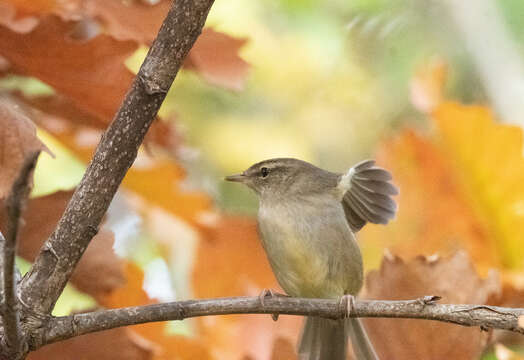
column 487, row 158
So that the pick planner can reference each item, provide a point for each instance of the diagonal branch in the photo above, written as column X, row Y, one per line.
column 62, row 328
column 14, row 204
column 116, row 152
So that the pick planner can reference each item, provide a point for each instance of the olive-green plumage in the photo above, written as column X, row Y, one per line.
column 307, row 218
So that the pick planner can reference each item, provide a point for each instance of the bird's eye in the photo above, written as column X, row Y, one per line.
column 264, row 172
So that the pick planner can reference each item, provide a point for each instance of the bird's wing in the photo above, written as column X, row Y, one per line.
column 367, row 197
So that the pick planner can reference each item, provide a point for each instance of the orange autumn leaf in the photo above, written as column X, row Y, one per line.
column 215, row 57
column 487, row 158
column 9, row 19
column 131, row 293
column 434, row 214
column 219, row 271
column 80, row 131
column 26, row 8
column 160, row 183
column 92, row 72
column 466, row 175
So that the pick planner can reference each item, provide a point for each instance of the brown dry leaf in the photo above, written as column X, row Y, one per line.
column 115, row 344
column 128, row 20
column 427, row 85
column 58, row 108
column 455, row 279
column 17, row 140
column 80, row 131
column 215, row 57
column 91, row 73
column 40, row 218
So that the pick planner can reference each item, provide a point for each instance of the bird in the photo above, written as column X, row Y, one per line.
column 307, row 219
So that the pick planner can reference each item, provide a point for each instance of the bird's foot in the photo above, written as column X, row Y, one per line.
column 270, row 293
column 348, row 302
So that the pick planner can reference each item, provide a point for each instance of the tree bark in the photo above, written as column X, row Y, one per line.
column 115, row 153
column 486, row 317
column 12, row 341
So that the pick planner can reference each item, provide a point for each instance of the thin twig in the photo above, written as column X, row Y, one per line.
column 116, row 152
column 14, row 203
column 484, row 316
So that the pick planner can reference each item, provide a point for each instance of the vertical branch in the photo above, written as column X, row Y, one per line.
column 115, row 153
column 10, row 309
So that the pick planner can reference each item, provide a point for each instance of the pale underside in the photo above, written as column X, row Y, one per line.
column 310, row 247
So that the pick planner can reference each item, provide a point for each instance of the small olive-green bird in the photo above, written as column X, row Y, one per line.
column 307, row 219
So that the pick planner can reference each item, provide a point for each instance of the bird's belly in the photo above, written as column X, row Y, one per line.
column 301, row 272
column 308, row 261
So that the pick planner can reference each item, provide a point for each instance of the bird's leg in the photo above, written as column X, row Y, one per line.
column 270, row 293
column 348, row 301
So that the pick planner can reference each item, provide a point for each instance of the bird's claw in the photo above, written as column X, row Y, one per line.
column 348, row 301
column 269, row 293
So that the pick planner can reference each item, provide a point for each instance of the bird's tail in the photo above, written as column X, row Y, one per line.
column 359, row 339
column 326, row 339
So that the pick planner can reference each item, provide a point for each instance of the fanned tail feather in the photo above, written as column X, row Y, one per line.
column 368, row 195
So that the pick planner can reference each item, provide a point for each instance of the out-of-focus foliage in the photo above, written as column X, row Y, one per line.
column 330, row 82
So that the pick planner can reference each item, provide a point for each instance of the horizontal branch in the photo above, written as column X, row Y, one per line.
column 62, row 328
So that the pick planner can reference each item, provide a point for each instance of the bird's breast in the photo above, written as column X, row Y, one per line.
column 308, row 247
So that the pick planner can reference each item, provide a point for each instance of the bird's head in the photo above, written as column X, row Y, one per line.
column 285, row 176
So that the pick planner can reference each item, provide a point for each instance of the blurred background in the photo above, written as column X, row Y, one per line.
column 434, row 90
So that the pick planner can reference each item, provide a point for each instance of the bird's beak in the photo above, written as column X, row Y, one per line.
column 236, row 178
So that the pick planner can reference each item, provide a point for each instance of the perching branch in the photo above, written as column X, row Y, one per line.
column 116, row 152
column 484, row 316
column 9, row 307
